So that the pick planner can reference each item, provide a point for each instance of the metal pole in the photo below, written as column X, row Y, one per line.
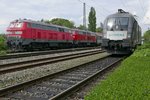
column 84, row 15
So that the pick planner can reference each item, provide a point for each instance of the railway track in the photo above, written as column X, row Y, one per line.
column 58, row 85
column 16, row 66
column 36, row 53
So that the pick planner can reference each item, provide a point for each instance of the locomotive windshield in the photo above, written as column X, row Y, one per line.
column 16, row 25
column 118, row 23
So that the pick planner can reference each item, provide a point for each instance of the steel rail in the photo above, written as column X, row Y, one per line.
column 4, row 92
column 6, row 68
column 83, row 82
column 27, row 54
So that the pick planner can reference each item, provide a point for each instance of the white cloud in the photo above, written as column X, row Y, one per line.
column 146, row 19
column 3, row 22
column 69, row 9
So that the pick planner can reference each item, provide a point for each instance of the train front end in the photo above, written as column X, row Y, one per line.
column 117, row 34
column 15, row 32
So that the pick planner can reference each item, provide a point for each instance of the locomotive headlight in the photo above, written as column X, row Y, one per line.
column 110, row 24
column 105, row 35
column 18, row 32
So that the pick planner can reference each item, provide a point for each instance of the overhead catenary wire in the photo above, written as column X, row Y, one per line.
column 142, row 7
column 124, row 5
column 100, row 6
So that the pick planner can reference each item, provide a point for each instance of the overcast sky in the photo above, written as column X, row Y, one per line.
column 70, row 9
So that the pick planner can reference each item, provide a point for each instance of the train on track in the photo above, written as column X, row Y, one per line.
column 121, row 33
column 26, row 34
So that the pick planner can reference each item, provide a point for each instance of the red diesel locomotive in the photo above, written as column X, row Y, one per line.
column 28, row 34
column 83, row 38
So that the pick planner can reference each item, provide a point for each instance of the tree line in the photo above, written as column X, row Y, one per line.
column 146, row 36
column 70, row 24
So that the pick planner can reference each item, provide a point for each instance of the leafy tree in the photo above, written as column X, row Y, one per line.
column 2, row 42
column 61, row 22
column 81, row 27
column 47, row 21
column 92, row 20
column 42, row 20
column 100, row 30
column 147, row 36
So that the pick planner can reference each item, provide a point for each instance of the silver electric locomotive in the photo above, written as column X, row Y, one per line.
column 121, row 33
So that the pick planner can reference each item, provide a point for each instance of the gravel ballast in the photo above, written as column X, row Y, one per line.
column 7, row 61
column 13, row 78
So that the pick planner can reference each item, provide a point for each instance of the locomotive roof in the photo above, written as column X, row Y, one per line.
column 43, row 23
column 124, row 14
column 38, row 22
column 121, row 13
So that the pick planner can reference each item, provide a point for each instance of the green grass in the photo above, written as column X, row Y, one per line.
column 3, row 46
column 130, row 81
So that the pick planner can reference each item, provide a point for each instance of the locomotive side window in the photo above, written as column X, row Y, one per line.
column 29, row 25
column 61, row 30
column 134, row 30
column 80, row 32
column 66, row 30
column 33, row 25
column 44, row 27
column 84, row 33
column 52, row 28
column 41, row 27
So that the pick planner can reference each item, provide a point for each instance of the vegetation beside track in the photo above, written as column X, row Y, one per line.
column 3, row 46
column 130, row 81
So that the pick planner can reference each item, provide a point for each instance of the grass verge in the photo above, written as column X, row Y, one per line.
column 130, row 81
column 3, row 46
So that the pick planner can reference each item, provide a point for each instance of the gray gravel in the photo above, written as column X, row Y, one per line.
column 13, row 78
column 82, row 92
column 7, row 61
column 50, row 87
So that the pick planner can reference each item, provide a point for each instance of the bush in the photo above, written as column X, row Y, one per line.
column 143, row 50
column 144, row 46
column 3, row 46
column 147, row 36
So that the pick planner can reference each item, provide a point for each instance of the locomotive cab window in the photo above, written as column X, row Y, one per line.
column 111, row 22
column 117, row 23
column 12, row 25
column 18, row 25
column 123, row 23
